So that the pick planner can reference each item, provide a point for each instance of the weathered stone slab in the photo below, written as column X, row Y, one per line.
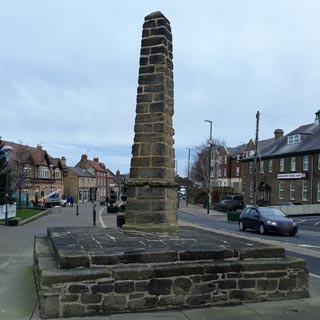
column 187, row 268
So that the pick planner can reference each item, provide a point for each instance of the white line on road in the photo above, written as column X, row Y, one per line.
column 307, row 246
column 100, row 217
column 314, row 275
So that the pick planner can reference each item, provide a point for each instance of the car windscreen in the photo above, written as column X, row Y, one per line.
column 267, row 211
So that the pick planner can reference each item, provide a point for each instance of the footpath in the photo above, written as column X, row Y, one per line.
column 18, row 298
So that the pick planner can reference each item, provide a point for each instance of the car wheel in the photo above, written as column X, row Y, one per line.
column 241, row 226
column 262, row 229
column 292, row 234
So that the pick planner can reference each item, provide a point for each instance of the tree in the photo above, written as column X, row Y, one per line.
column 3, row 177
column 200, row 165
column 21, row 170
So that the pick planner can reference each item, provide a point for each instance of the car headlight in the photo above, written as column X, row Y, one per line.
column 294, row 223
column 272, row 223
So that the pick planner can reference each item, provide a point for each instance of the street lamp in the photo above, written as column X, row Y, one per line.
column 209, row 167
column 7, row 150
column 187, row 199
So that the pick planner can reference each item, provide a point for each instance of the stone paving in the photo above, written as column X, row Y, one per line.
column 85, row 247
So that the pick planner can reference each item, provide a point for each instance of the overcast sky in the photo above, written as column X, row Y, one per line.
column 69, row 71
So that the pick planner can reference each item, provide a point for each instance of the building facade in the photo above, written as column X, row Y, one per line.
column 106, row 180
column 34, row 173
column 80, row 184
column 287, row 169
column 98, row 170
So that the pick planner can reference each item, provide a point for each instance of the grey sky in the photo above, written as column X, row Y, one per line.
column 69, row 70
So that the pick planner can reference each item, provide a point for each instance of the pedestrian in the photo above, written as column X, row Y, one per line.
column 71, row 201
column 41, row 202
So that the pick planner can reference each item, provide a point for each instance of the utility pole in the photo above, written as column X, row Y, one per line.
column 255, row 169
column 209, row 168
column 188, row 186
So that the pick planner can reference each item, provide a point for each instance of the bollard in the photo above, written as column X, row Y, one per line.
column 77, row 211
column 94, row 215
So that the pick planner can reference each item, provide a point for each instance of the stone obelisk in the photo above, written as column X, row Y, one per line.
column 152, row 189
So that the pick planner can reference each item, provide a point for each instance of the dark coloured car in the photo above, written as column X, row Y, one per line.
column 231, row 202
column 267, row 219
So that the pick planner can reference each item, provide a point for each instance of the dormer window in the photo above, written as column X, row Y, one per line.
column 294, row 139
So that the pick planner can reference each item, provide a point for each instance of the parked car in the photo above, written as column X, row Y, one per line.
column 230, row 202
column 267, row 219
column 291, row 204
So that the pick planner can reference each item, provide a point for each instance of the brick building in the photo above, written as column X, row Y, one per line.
column 34, row 173
column 105, row 178
column 288, row 168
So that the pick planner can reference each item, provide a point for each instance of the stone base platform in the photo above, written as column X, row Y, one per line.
column 93, row 271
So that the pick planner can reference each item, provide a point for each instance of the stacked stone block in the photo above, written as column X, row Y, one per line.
column 129, row 280
column 152, row 190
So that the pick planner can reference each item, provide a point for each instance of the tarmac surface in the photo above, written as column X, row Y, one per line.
column 18, row 297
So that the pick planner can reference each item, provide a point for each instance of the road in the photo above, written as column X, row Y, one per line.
column 306, row 244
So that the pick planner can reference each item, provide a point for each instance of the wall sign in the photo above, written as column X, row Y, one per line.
column 301, row 175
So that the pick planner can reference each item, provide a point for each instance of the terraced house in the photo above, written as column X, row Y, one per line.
column 34, row 173
column 288, row 169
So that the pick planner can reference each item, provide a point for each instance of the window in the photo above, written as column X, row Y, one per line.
column 26, row 171
column 293, row 164
column 305, row 163
column 261, row 167
column 251, row 190
column 220, row 159
column 281, row 190
column 43, row 172
column 224, row 172
column 270, row 166
column 281, row 165
column 304, row 195
column 56, row 173
column 237, row 171
column 292, row 191
column 250, row 167
column 219, row 172
column 294, row 139
column 318, row 161
column 318, row 192
column 225, row 159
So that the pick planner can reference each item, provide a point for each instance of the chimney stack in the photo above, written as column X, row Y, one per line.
column 63, row 161
column 317, row 120
column 278, row 133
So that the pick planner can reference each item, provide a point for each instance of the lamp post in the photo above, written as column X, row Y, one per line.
column 187, row 199
column 209, row 167
column 7, row 150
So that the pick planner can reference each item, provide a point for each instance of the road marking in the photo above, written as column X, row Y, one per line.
column 100, row 217
column 314, row 275
column 307, row 246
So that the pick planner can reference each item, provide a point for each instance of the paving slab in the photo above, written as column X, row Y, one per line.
column 81, row 247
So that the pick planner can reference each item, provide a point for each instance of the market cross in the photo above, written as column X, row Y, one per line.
column 152, row 189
